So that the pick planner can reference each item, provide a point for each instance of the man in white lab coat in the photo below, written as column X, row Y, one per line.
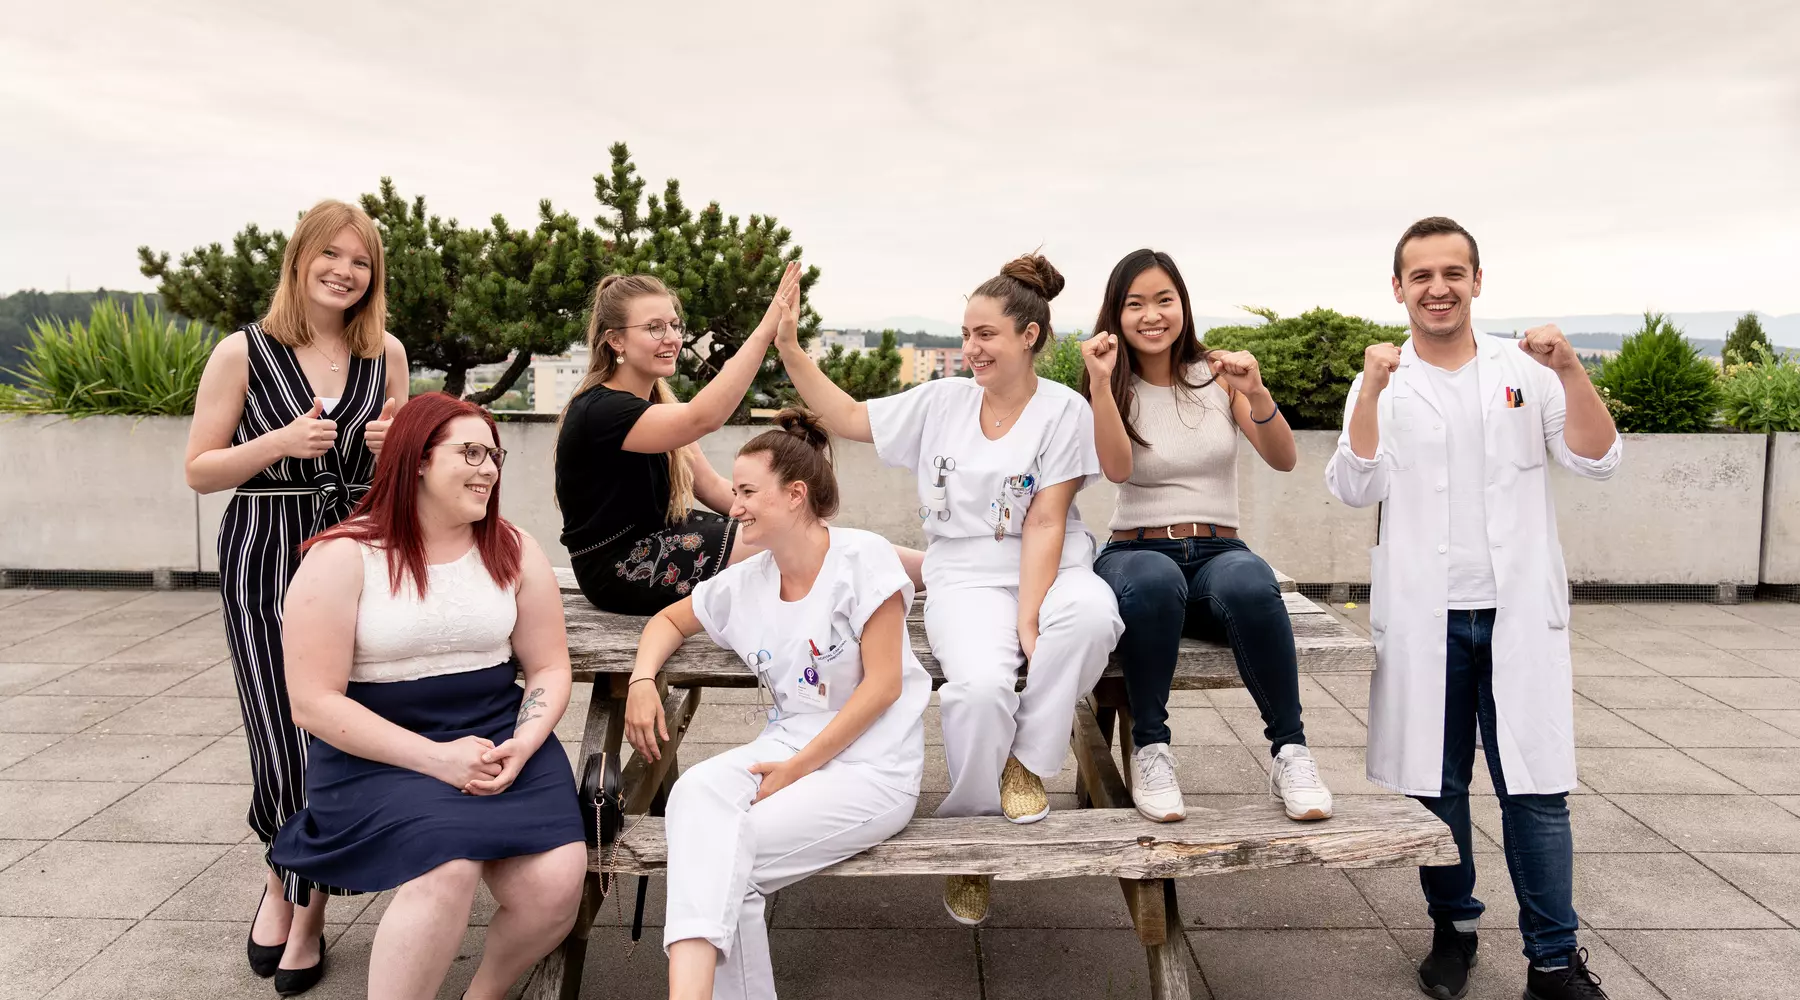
column 1469, row 601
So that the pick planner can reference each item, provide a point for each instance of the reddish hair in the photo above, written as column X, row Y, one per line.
column 388, row 516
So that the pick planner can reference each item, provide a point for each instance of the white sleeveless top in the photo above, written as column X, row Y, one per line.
column 464, row 623
column 1189, row 472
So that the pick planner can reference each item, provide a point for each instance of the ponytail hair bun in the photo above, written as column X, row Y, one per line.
column 1024, row 288
column 804, row 425
column 1037, row 273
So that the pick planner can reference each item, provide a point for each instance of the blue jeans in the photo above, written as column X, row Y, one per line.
column 1540, row 850
column 1213, row 588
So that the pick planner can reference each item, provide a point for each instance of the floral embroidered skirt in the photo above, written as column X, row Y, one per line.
column 643, row 575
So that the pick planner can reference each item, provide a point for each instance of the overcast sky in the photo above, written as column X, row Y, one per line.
column 1608, row 155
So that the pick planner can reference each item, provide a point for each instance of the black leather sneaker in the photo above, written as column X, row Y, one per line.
column 1573, row 983
column 1445, row 972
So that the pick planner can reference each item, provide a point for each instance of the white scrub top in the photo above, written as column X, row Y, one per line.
column 809, row 652
column 988, row 492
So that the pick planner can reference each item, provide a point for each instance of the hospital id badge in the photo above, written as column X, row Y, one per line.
column 809, row 689
column 999, row 518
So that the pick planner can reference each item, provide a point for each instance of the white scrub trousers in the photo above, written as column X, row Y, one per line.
column 726, row 855
column 974, row 633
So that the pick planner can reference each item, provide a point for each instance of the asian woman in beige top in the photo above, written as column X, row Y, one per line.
column 1166, row 426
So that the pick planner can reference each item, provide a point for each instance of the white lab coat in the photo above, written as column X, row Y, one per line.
column 1409, row 570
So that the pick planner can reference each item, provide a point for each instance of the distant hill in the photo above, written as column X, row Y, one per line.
column 20, row 311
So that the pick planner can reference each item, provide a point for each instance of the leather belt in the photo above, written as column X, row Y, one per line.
column 1193, row 529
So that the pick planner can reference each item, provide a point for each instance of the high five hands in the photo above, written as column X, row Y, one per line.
column 782, row 318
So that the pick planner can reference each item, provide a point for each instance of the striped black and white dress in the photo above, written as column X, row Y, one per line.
column 270, row 516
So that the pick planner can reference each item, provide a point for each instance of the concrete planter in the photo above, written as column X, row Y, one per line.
column 1781, row 512
column 1683, row 509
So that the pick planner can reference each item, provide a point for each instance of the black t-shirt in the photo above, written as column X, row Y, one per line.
column 607, row 494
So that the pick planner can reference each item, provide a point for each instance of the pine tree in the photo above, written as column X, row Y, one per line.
column 865, row 374
column 1741, row 345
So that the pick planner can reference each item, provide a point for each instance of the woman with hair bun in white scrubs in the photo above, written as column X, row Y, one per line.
column 820, row 615
column 1009, row 568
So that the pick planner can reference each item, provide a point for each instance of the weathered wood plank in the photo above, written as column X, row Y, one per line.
column 1368, row 831
column 601, row 643
column 1099, row 777
column 1144, row 899
column 1169, row 959
column 642, row 780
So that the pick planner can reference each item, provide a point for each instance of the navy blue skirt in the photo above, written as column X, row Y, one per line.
column 369, row 826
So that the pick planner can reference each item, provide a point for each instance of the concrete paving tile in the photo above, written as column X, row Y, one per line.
column 86, row 602
column 40, row 810
column 911, row 901
column 1789, row 802
column 1338, row 964
column 168, row 715
column 37, row 953
column 1350, row 690
column 1217, row 769
column 620, row 905
column 184, row 603
column 1501, row 972
column 30, row 713
column 225, row 761
column 1189, row 699
column 1274, row 899
column 199, row 650
column 1717, row 822
column 1707, row 727
column 1200, row 727
column 1066, row 903
column 1786, row 720
column 1396, row 897
column 1764, row 770
column 129, row 619
column 1771, row 879
column 171, row 813
column 619, row 969
column 1648, row 770
column 1689, row 965
column 106, row 757
column 22, row 624
column 73, row 878
column 216, row 681
column 1602, row 662
column 1642, row 692
column 1327, row 725
column 830, row 964
column 18, row 678
column 1775, row 614
column 67, row 645
column 1751, row 692
column 1597, row 824
column 1706, row 662
column 1745, row 636
column 229, row 888
column 1660, row 891
column 1311, row 693
column 12, row 850
column 1612, row 617
column 1783, row 662
column 124, row 679
column 168, row 960
column 1602, row 727
column 15, row 747
column 1021, row 964
column 1633, row 640
column 20, row 595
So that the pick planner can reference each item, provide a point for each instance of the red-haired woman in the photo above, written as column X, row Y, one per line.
column 430, row 769
column 290, row 414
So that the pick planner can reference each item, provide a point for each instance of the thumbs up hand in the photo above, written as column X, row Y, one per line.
column 310, row 435
column 375, row 432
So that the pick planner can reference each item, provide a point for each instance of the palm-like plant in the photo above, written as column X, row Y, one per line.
column 140, row 363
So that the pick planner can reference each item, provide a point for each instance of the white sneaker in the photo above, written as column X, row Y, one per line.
column 1295, row 781
column 1154, row 789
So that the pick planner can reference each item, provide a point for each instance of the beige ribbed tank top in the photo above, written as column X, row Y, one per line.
column 1189, row 472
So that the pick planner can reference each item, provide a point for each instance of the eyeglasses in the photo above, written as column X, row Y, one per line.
column 659, row 330
column 475, row 453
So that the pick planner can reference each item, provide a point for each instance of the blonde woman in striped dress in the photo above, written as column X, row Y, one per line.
column 291, row 412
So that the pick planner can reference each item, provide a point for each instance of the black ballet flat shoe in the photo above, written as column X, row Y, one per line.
column 264, row 958
column 293, row 982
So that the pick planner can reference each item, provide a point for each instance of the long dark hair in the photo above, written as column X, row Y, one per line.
column 1184, row 352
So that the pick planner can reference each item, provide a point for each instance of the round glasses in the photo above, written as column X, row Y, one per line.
column 658, row 330
column 475, row 453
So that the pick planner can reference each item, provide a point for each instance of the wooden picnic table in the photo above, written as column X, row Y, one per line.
column 1104, row 837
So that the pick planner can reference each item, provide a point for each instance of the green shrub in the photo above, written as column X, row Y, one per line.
column 138, row 364
column 1061, row 361
column 1762, row 395
column 1745, row 338
column 1658, row 383
column 865, row 374
column 1308, row 361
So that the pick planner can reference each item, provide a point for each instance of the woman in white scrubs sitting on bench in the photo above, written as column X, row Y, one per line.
column 820, row 615
column 1009, row 565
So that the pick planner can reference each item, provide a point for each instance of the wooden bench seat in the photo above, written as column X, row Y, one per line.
column 1366, row 831
column 1105, row 836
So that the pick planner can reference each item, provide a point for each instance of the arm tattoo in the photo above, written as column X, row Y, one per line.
column 531, row 708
